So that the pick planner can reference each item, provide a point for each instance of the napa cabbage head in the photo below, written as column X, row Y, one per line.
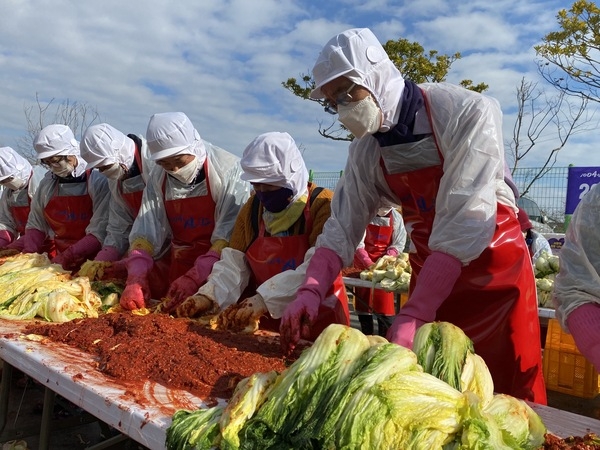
column 476, row 378
column 520, row 425
column 60, row 306
column 248, row 396
column 479, row 430
column 441, row 349
column 22, row 261
column 298, row 392
column 24, row 306
column 393, row 412
column 12, row 284
column 197, row 430
column 380, row 362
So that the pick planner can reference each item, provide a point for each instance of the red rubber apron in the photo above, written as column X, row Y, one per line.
column 20, row 214
column 192, row 222
column 377, row 240
column 133, row 199
column 494, row 299
column 69, row 216
column 270, row 255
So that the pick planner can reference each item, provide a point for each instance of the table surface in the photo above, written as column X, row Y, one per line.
column 544, row 313
column 144, row 413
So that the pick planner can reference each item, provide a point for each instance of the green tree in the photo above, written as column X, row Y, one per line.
column 571, row 56
column 413, row 62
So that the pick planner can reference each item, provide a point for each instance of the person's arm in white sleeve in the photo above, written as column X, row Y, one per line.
column 473, row 151
column 150, row 229
column 100, row 194
column 229, row 191
column 361, row 244
column 280, row 290
column 37, row 228
column 577, row 286
column 356, row 200
column 578, row 281
column 120, row 221
column 398, row 235
column 8, row 230
column 40, row 199
column 228, row 279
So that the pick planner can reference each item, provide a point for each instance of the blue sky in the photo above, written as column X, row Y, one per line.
column 222, row 61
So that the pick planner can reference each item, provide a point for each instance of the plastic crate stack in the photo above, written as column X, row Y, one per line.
column 565, row 369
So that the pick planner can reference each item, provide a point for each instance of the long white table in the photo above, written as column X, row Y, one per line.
column 144, row 413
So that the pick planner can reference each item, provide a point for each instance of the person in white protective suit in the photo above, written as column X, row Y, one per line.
column 273, row 238
column 385, row 236
column 436, row 150
column 20, row 181
column 188, row 209
column 577, row 285
column 124, row 160
column 71, row 203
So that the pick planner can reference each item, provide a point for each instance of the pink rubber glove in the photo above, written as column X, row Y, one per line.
column 434, row 284
column 583, row 324
column 5, row 238
column 137, row 292
column 299, row 316
column 33, row 240
column 75, row 255
column 362, row 260
column 108, row 254
column 189, row 282
column 17, row 244
column 391, row 252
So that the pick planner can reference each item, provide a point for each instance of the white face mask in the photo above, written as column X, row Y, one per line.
column 361, row 118
column 114, row 172
column 187, row 173
column 62, row 169
column 15, row 184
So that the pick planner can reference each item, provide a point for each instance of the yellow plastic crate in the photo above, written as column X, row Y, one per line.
column 565, row 369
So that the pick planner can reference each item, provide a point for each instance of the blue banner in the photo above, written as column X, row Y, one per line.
column 579, row 182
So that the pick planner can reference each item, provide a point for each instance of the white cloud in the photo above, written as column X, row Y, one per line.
column 222, row 61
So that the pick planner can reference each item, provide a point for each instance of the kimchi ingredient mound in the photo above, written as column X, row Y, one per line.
column 175, row 352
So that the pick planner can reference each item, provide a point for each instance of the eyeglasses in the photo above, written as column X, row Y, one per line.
column 53, row 160
column 342, row 99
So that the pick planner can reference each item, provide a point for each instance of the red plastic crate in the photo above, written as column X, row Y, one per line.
column 565, row 369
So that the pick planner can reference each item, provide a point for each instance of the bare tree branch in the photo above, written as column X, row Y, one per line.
column 541, row 120
column 78, row 116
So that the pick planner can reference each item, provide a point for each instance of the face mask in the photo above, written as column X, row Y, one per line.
column 114, row 172
column 361, row 118
column 62, row 169
column 15, row 184
column 187, row 173
column 275, row 201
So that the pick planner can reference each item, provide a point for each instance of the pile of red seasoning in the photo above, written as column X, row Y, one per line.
column 177, row 353
column 588, row 442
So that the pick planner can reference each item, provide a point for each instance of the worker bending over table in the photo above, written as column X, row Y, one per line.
column 271, row 244
column 436, row 150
